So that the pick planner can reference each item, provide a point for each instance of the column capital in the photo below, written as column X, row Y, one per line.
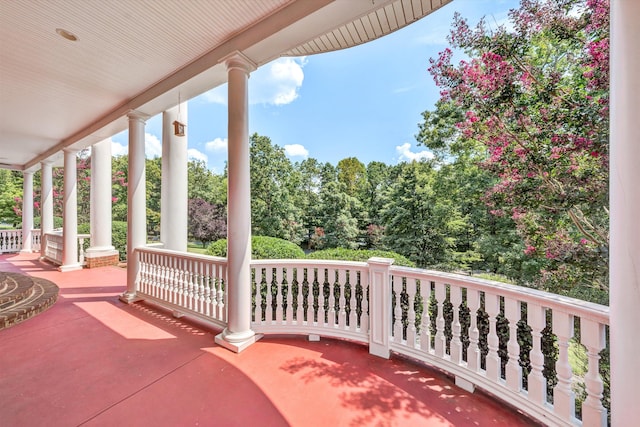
column 137, row 115
column 238, row 60
column 27, row 172
column 47, row 162
column 70, row 150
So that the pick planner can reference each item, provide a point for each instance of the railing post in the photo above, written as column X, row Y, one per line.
column 380, row 316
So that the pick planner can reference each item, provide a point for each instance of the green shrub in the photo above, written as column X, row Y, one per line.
column 118, row 236
column 360, row 255
column 262, row 247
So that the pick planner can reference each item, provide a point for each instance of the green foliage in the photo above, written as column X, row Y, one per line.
column 273, row 208
column 262, row 247
column 118, row 236
column 535, row 96
column 419, row 224
column 363, row 255
column 11, row 190
column 339, row 217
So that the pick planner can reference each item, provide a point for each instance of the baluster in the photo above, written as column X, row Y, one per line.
column 331, row 279
column 364, row 281
column 492, row 307
column 179, row 291
column 300, row 272
column 279, row 297
column 455, row 295
column 411, row 316
column 563, row 396
column 536, row 382
column 221, row 282
column 321, row 276
column 269, row 297
column 209, row 295
column 188, row 275
column 258, row 308
column 160, row 278
column 425, row 334
column 396, row 286
column 592, row 336
column 473, row 351
column 513, row 370
column 342, row 301
column 199, row 265
column 353, row 301
column 310, row 310
column 183, row 276
column 441, row 339
column 289, row 295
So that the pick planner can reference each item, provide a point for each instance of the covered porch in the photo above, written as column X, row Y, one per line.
column 161, row 365
column 93, row 360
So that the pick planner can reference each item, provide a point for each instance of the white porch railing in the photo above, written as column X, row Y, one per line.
column 54, row 244
column 513, row 342
column 36, row 240
column 311, row 297
column 185, row 283
column 10, row 241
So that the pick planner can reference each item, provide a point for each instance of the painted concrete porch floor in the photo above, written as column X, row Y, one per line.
column 92, row 360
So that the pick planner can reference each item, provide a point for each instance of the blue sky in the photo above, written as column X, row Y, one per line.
column 363, row 102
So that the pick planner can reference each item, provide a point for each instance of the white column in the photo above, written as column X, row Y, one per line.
column 46, row 203
column 136, row 201
column 101, row 201
column 238, row 334
column 27, row 211
column 625, row 210
column 70, row 212
column 173, row 202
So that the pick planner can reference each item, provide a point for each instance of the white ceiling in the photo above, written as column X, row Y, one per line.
column 144, row 54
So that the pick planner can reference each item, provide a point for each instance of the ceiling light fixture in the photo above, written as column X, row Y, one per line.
column 66, row 34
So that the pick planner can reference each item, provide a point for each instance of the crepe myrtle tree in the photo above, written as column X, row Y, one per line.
column 537, row 97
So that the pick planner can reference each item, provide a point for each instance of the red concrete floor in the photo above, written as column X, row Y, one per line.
column 92, row 360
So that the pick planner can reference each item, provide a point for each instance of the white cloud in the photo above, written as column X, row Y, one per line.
column 276, row 83
column 193, row 154
column 218, row 144
column 118, row 149
column 152, row 146
column 296, row 150
column 405, row 153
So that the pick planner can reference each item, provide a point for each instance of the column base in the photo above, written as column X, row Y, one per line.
column 129, row 298
column 101, row 258
column 26, row 251
column 236, row 345
column 70, row 267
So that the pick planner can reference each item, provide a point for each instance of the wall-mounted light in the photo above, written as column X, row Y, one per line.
column 66, row 34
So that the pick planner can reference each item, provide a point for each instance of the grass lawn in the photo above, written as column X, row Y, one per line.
column 196, row 248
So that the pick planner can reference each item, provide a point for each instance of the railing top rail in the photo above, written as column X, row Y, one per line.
column 318, row 263
column 596, row 312
column 189, row 255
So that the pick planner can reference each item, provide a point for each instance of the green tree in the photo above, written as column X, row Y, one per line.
column 419, row 224
column 537, row 99
column 11, row 185
column 273, row 211
column 339, row 217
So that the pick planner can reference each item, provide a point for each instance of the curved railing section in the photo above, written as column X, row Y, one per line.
column 543, row 353
column 522, row 345
column 327, row 298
